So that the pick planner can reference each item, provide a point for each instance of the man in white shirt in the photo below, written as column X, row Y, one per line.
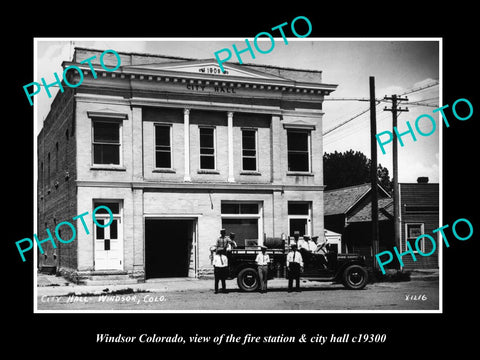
column 312, row 243
column 303, row 243
column 262, row 261
column 220, row 269
column 294, row 264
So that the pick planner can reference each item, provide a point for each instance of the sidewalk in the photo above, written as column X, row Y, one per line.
column 51, row 285
column 424, row 274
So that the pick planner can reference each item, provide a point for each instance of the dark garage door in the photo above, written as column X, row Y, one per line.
column 168, row 247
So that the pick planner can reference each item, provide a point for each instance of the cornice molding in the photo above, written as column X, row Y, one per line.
column 198, row 186
column 268, row 83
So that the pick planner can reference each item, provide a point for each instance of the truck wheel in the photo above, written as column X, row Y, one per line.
column 355, row 277
column 247, row 279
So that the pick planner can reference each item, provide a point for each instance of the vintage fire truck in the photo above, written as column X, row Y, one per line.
column 347, row 269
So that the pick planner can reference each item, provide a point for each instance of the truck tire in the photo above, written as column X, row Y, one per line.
column 355, row 277
column 247, row 279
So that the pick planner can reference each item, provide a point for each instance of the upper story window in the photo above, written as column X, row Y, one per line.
column 249, row 150
column 106, row 142
column 163, row 146
column 207, row 148
column 298, row 148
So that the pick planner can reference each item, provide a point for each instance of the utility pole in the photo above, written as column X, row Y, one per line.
column 373, row 171
column 395, row 109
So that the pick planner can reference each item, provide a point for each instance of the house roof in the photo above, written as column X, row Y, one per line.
column 385, row 211
column 340, row 201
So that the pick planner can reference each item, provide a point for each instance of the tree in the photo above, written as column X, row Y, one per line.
column 351, row 168
column 384, row 179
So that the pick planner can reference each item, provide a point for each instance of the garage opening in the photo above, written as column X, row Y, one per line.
column 169, row 248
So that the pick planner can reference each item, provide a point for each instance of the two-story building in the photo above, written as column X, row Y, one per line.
column 177, row 150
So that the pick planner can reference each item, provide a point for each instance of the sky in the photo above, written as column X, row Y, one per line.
column 398, row 66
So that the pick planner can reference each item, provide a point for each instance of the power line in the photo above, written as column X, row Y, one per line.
column 420, row 88
column 432, row 98
column 346, row 99
column 352, row 118
column 356, row 128
column 378, row 102
column 422, row 104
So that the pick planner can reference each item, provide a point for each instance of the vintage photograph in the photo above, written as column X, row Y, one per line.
column 168, row 183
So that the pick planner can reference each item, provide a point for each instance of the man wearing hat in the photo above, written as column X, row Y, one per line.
column 296, row 235
column 232, row 244
column 223, row 240
column 302, row 246
column 294, row 264
column 262, row 261
column 312, row 243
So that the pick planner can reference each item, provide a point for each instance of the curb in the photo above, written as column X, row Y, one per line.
column 164, row 285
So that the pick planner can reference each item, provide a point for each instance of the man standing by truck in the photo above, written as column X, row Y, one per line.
column 294, row 264
column 220, row 269
column 262, row 261
column 223, row 241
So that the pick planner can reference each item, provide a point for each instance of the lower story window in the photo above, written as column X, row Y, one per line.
column 412, row 232
column 244, row 219
column 299, row 217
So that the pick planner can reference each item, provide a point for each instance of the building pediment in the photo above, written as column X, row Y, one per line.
column 205, row 68
column 291, row 122
column 107, row 113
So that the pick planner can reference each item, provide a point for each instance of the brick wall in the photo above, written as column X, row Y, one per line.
column 86, row 169
column 271, row 147
column 131, row 230
column 206, row 208
column 174, row 117
column 56, row 181
column 68, row 199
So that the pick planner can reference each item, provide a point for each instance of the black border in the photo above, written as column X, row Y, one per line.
column 421, row 334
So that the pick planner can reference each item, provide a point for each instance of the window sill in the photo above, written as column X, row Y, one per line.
column 108, row 167
column 213, row 172
column 299, row 173
column 252, row 173
column 168, row 171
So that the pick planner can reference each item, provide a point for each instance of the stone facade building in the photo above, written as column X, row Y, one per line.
column 177, row 150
